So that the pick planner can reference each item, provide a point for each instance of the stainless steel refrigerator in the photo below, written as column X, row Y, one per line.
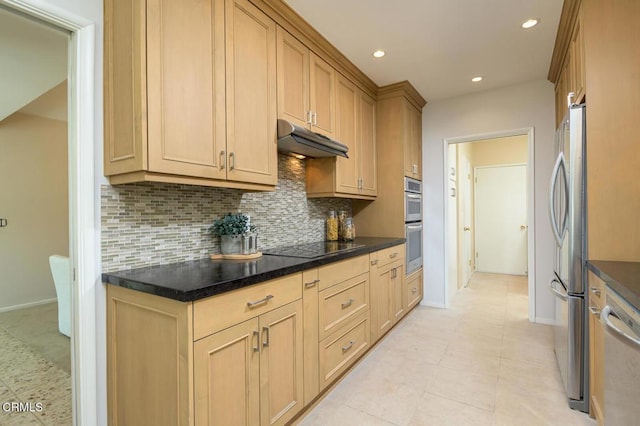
column 567, row 208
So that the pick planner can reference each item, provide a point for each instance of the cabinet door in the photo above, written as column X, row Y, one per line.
column 347, row 169
column 577, row 57
column 185, row 87
column 416, row 143
column 251, row 94
column 596, row 363
column 281, row 366
column 414, row 288
column 293, row 79
column 367, row 145
column 227, row 376
column 322, row 81
column 399, row 292
column 382, row 292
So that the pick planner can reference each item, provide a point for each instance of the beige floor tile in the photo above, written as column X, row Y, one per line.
column 462, row 386
column 435, row 410
column 481, row 362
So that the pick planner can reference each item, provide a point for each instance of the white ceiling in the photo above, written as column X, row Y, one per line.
column 439, row 45
column 33, row 60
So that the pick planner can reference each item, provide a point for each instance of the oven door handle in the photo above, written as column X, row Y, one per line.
column 604, row 319
column 414, row 196
column 414, row 226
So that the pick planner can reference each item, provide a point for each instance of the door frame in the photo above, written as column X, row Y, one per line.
column 531, row 281
column 475, row 202
column 83, row 224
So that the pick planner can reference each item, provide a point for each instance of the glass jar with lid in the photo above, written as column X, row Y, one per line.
column 332, row 226
column 349, row 230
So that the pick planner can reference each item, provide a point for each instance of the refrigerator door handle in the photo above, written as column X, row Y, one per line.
column 562, row 295
column 557, row 232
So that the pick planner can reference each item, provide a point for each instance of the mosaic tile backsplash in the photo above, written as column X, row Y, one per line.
column 151, row 223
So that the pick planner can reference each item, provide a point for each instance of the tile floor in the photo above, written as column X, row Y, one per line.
column 35, row 364
column 479, row 363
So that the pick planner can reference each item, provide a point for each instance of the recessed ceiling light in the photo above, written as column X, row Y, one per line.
column 379, row 53
column 476, row 79
column 529, row 23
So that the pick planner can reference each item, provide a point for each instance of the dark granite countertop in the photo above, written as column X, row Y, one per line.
column 622, row 277
column 194, row 280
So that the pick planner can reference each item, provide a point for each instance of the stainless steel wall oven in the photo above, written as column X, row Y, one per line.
column 413, row 223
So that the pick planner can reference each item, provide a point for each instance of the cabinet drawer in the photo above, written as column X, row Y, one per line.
column 340, row 350
column 219, row 312
column 414, row 288
column 596, row 290
column 388, row 255
column 338, row 272
column 340, row 303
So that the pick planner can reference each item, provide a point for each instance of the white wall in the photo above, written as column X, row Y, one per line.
column 34, row 200
column 515, row 107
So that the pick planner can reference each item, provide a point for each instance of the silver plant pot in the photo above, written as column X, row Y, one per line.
column 231, row 244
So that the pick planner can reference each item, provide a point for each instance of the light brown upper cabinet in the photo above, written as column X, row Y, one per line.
column 167, row 116
column 356, row 176
column 576, row 50
column 306, row 86
column 413, row 143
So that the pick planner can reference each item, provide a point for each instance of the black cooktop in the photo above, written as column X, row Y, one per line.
column 311, row 250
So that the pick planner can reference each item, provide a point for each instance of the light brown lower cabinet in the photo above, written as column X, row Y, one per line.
column 251, row 371
column 253, row 356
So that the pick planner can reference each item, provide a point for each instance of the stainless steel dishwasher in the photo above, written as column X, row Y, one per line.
column 621, row 361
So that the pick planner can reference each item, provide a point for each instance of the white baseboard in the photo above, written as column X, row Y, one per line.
column 432, row 304
column 547, row 321
column 28, row 305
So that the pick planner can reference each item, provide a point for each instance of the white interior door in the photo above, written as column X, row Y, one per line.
column 501, row 219
column 466, row 222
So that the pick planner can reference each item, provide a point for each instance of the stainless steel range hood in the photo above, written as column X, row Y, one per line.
column 298, row 140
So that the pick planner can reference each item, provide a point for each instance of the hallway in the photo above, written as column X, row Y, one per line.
column 479, row 363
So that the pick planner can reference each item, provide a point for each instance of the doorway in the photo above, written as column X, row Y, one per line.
column 83, row 245
column 473, row 240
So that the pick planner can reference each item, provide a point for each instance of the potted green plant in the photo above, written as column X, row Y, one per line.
column 231, row 229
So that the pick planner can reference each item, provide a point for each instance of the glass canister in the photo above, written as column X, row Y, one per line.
column 342, row 216
column 332, row 226
column 349, row 230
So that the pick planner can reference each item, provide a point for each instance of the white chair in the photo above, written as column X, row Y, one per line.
column 61, row 271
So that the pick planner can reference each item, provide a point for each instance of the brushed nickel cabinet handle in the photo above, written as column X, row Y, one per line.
column 308, row 117
column 265, row 337
column 414, row 290
column 393, row 255
column 348, row 346
column 223, row 159
column 315, row 118
column 252, row 305
column 256, row 334
column 596, row 291
column 595, row 311
column 232, row 161
column 311, row 283
column 348, row 303
column 374, row 262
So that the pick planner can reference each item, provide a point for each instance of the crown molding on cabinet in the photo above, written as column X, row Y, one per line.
column 403, row 88
column 568, row 17
column 288, row 19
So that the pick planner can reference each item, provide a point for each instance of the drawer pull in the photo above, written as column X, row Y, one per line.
column 348, row 303
column 311, row 284
column 252, row 305
column 596, row 291
column 594, row 311
column 256, row 334
column 374, row 262
column 265, row 337
column 414, row 290
column 393, row 255
column 348, row 346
